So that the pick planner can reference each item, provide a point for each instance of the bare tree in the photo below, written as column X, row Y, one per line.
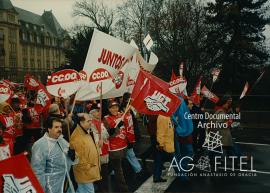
column 100, row 15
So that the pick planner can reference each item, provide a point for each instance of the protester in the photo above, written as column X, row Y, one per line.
column 5, row 151
column 51, row 158
column 82, row 141
column 164, row 147
column 183, row 135
column 130, row 155
column 7, row 118
column 118, row 143
column 150, row 121
column 32, row 124
column 103, row 142
column 198, row 134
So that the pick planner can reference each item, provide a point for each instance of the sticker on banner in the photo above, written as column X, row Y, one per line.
column 157, row 102
column 12, row 184
column 118, row 79
column 100, row 74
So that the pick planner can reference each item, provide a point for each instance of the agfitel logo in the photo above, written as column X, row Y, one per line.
column 213, row 144
column 157, row 102
column 17, row 185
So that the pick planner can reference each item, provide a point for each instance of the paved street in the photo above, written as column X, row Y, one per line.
column 252, row 142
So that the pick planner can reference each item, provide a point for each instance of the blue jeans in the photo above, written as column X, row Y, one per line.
column 85, row 188
column 132, row 159
column 182, row 150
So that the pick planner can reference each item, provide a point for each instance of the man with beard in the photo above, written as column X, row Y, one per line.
column 50, row 160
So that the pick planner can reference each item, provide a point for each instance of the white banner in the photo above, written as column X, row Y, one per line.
column 64, row 83
column 106, row 60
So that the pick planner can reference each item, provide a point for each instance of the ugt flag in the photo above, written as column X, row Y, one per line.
column 151, row 96
column 17, row 176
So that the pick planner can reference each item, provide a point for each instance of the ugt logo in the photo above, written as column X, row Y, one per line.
column 157, row 102
column 17, row 185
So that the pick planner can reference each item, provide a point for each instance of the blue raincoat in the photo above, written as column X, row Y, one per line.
column 183, row 126
column 50, row 162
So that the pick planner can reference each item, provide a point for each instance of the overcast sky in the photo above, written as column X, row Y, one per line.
column 62, row 9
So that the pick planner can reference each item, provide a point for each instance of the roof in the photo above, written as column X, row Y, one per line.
column 47, row 19
column 6, row 4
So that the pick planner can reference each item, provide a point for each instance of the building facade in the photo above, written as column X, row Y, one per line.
column 30, row 43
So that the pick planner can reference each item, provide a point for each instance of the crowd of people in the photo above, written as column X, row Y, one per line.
column 77, row 149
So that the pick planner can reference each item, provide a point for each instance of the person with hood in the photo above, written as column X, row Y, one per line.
column 183, row 135
column 51, row 158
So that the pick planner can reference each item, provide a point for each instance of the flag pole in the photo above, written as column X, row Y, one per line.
column 100, row 113
column 255, row 83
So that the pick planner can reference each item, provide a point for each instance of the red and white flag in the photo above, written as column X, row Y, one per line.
column 195, row 96
column 244, row 92
column 18, row 176
column 177, row 84
column 43, row 96
column 5, row 93
column 151, row 96
column 181, row 69
column 209, row 95
column 64, row 83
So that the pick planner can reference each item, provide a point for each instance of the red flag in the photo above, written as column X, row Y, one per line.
column 43, row 96
column 31, row 83
column 177, row 84
column 195, row 96
column 150, row 97
column 18, row 176
column 208, row 94
column 244, row 92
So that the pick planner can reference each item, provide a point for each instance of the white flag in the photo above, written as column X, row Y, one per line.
column 244, row 92
column 148, row 42
column 106, row 60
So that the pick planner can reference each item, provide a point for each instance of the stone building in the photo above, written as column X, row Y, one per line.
column 30, row 43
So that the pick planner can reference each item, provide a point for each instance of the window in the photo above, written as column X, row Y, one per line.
column 12, row 35
column 38, row 40
column 24, row 37
column 38, row 51
column 12, row 62
column 25, row 65
column 48, row 53
column 32, row 63
column 11, row 18
column 39, row 64
column 48, row 63
column 1, row 16
column 25, row 51
column 32, row 51
column 12, row 48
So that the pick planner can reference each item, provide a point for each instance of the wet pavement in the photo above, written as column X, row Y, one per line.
column 253, row 143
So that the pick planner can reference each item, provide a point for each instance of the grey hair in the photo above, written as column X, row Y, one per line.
column 53, row 108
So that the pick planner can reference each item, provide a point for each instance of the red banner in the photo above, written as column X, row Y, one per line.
column 195, row 97
column 18, row 176
column 43, row 96
column 152, row 97
column 209, row 95
column 31, row 83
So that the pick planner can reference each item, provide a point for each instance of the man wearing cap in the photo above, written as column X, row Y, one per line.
column 103, row 143
column 117, row 143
